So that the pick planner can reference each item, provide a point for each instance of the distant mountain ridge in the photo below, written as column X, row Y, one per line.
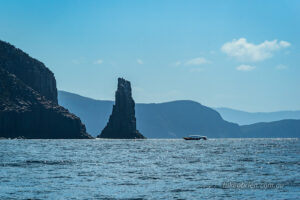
column 174, row 119
column 93, row 114
column 162, row 120
column 246, row 118
column 277, row 129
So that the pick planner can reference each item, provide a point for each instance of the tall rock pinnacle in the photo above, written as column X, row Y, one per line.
column 122, row 121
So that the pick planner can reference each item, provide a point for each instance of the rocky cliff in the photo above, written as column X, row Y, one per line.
column 32, row 112
column 31, row 71
column 122, row 121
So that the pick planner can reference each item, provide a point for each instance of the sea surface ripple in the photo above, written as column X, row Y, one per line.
column 150, row 169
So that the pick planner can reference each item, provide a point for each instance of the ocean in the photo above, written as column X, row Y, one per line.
column 150, row 169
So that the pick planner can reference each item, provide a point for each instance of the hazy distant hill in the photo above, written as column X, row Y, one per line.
column 164, row 120
column 179, row 118
column 245, row 118
column 280, row 129
column 93, row 113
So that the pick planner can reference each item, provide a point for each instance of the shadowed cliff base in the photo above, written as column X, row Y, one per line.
column 122, row 121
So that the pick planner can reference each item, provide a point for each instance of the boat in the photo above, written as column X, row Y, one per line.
column 195, row 137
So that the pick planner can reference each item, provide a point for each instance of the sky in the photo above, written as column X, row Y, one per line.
column 238, row 54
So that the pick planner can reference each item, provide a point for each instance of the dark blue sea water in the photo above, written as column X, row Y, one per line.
column 150, row 169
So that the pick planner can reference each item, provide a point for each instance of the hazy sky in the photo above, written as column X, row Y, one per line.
column 237, row 54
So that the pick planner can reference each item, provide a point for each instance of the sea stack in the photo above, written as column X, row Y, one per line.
column 122, row 121
column 28, row 100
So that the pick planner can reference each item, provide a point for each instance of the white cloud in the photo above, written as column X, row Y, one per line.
column 281, row 67
column 98, row 62
column 245, row 51
column 245, row 68
column 284, row 44
column 139, row 61
column 197, row 61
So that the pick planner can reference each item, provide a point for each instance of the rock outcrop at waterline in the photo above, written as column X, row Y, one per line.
column 28, row 108
column 122, row 121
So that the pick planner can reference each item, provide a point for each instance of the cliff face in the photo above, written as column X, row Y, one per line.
column 122, row 122
column 24, row 111
column 31, row 71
